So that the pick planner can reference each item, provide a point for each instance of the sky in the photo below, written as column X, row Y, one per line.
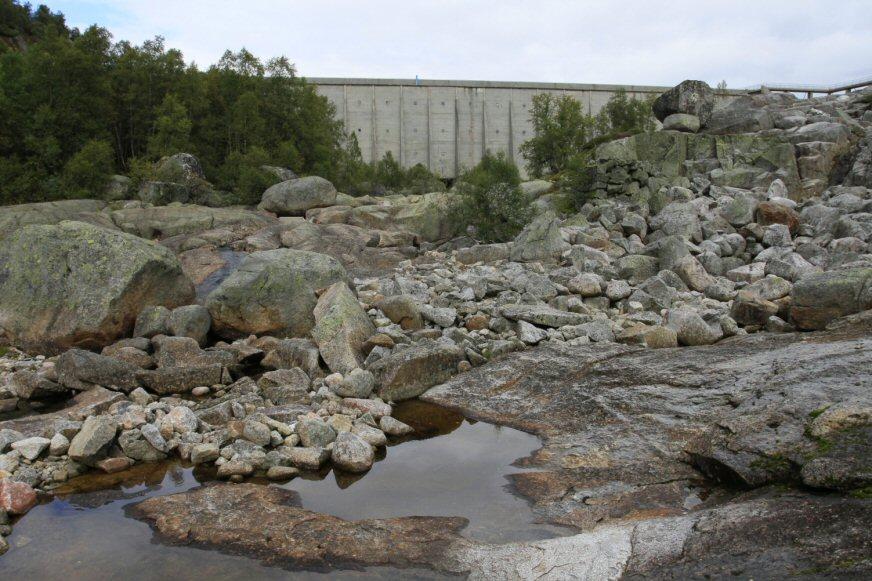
column 637, row 42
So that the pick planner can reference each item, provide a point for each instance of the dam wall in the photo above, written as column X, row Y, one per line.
column 448, row 125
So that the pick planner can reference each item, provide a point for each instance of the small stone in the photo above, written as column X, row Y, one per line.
column 235, row 468
column 464, row 366
column 31, row 448
column 200, row 391
column 141, row 397
column 59, row 445
column 372, row 436
column 308, row 458
column 153, row 436
column 204, row 453
column 661, row 337
column 477, row 322
column 358, row 383
column 394, row 427
column 333, row 381
column 256, row 433
column 16, row 497
column 282, row 472
column 92, row 440
column 113, row 465
column 315, row 433
column 351, row 453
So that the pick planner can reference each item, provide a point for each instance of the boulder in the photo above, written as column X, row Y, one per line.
column 681, row 122
column 817, row 299
column 79, row 285
column 293, row 197
column 83, row 370
column 341, row 328
column 12, row 218
column 16, row 497
column 191, row 321
column 410, row 372
column 351, row 453
column 92, row 441
column 151, row 321
column 774, row 213
column 691, row 329
column 539, row 240
column 167, row 221
column 402, row 310
column 688, row 97
column 273, row 292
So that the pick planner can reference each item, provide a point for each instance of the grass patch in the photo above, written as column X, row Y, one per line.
column 815, row 413
column 864, row 493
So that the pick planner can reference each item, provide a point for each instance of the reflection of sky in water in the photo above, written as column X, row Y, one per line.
column 88, row 536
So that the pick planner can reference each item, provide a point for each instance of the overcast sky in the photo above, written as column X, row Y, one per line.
column 623, row 41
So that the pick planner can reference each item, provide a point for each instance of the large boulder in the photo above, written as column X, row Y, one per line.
column 79, row 285
column 341, row 328
column 14, row 217
column 539, row 240
column 689, row 97
column 294, row 197
column 273, row 292
column 410, row 372
column 817, row 299
column 167, row 221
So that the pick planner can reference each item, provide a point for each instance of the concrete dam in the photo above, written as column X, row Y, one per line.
column 448, row 125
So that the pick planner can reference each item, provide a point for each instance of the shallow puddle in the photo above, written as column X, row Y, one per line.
column 458, row 467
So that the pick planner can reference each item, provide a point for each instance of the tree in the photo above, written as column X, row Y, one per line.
column 172, row 129
column 87, row 173
column 561, row 129
column 622, row 114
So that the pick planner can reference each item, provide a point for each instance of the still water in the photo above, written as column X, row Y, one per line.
column 453, row 467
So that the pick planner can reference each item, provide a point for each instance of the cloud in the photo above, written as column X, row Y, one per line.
column 628, row 41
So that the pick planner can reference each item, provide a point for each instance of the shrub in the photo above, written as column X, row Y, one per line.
column 88, row 171
column 578, row 179
column 491, row 201
column 242, row 175
column 561, row 130
column 625, row 115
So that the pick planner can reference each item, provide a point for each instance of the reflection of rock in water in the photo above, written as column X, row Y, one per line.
column 232, row 259
column 428, row 420
column 94, row 490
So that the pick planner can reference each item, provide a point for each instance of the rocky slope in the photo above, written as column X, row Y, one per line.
column 672, row 364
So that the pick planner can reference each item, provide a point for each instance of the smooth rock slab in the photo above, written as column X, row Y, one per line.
column 240, row 519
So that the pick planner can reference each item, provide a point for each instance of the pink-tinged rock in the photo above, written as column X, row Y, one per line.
column 16, row 497
column 376, row 408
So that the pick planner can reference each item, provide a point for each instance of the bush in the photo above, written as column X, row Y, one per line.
column 578, row 179
column 242, row 175
column 625, row 115
column 561, row 130
column 87, row 173
column 491, row 201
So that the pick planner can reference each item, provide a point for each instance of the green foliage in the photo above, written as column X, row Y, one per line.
column 70, row 88
column 565, row 139
column 172, row 128
column 577, row 180
column 87, row 173
column 625, row 115
column 388, row 173
column 242, row 173
column 491, row 201
column 561, row 128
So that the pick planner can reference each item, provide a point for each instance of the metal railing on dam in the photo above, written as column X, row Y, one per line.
column 448, row 125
